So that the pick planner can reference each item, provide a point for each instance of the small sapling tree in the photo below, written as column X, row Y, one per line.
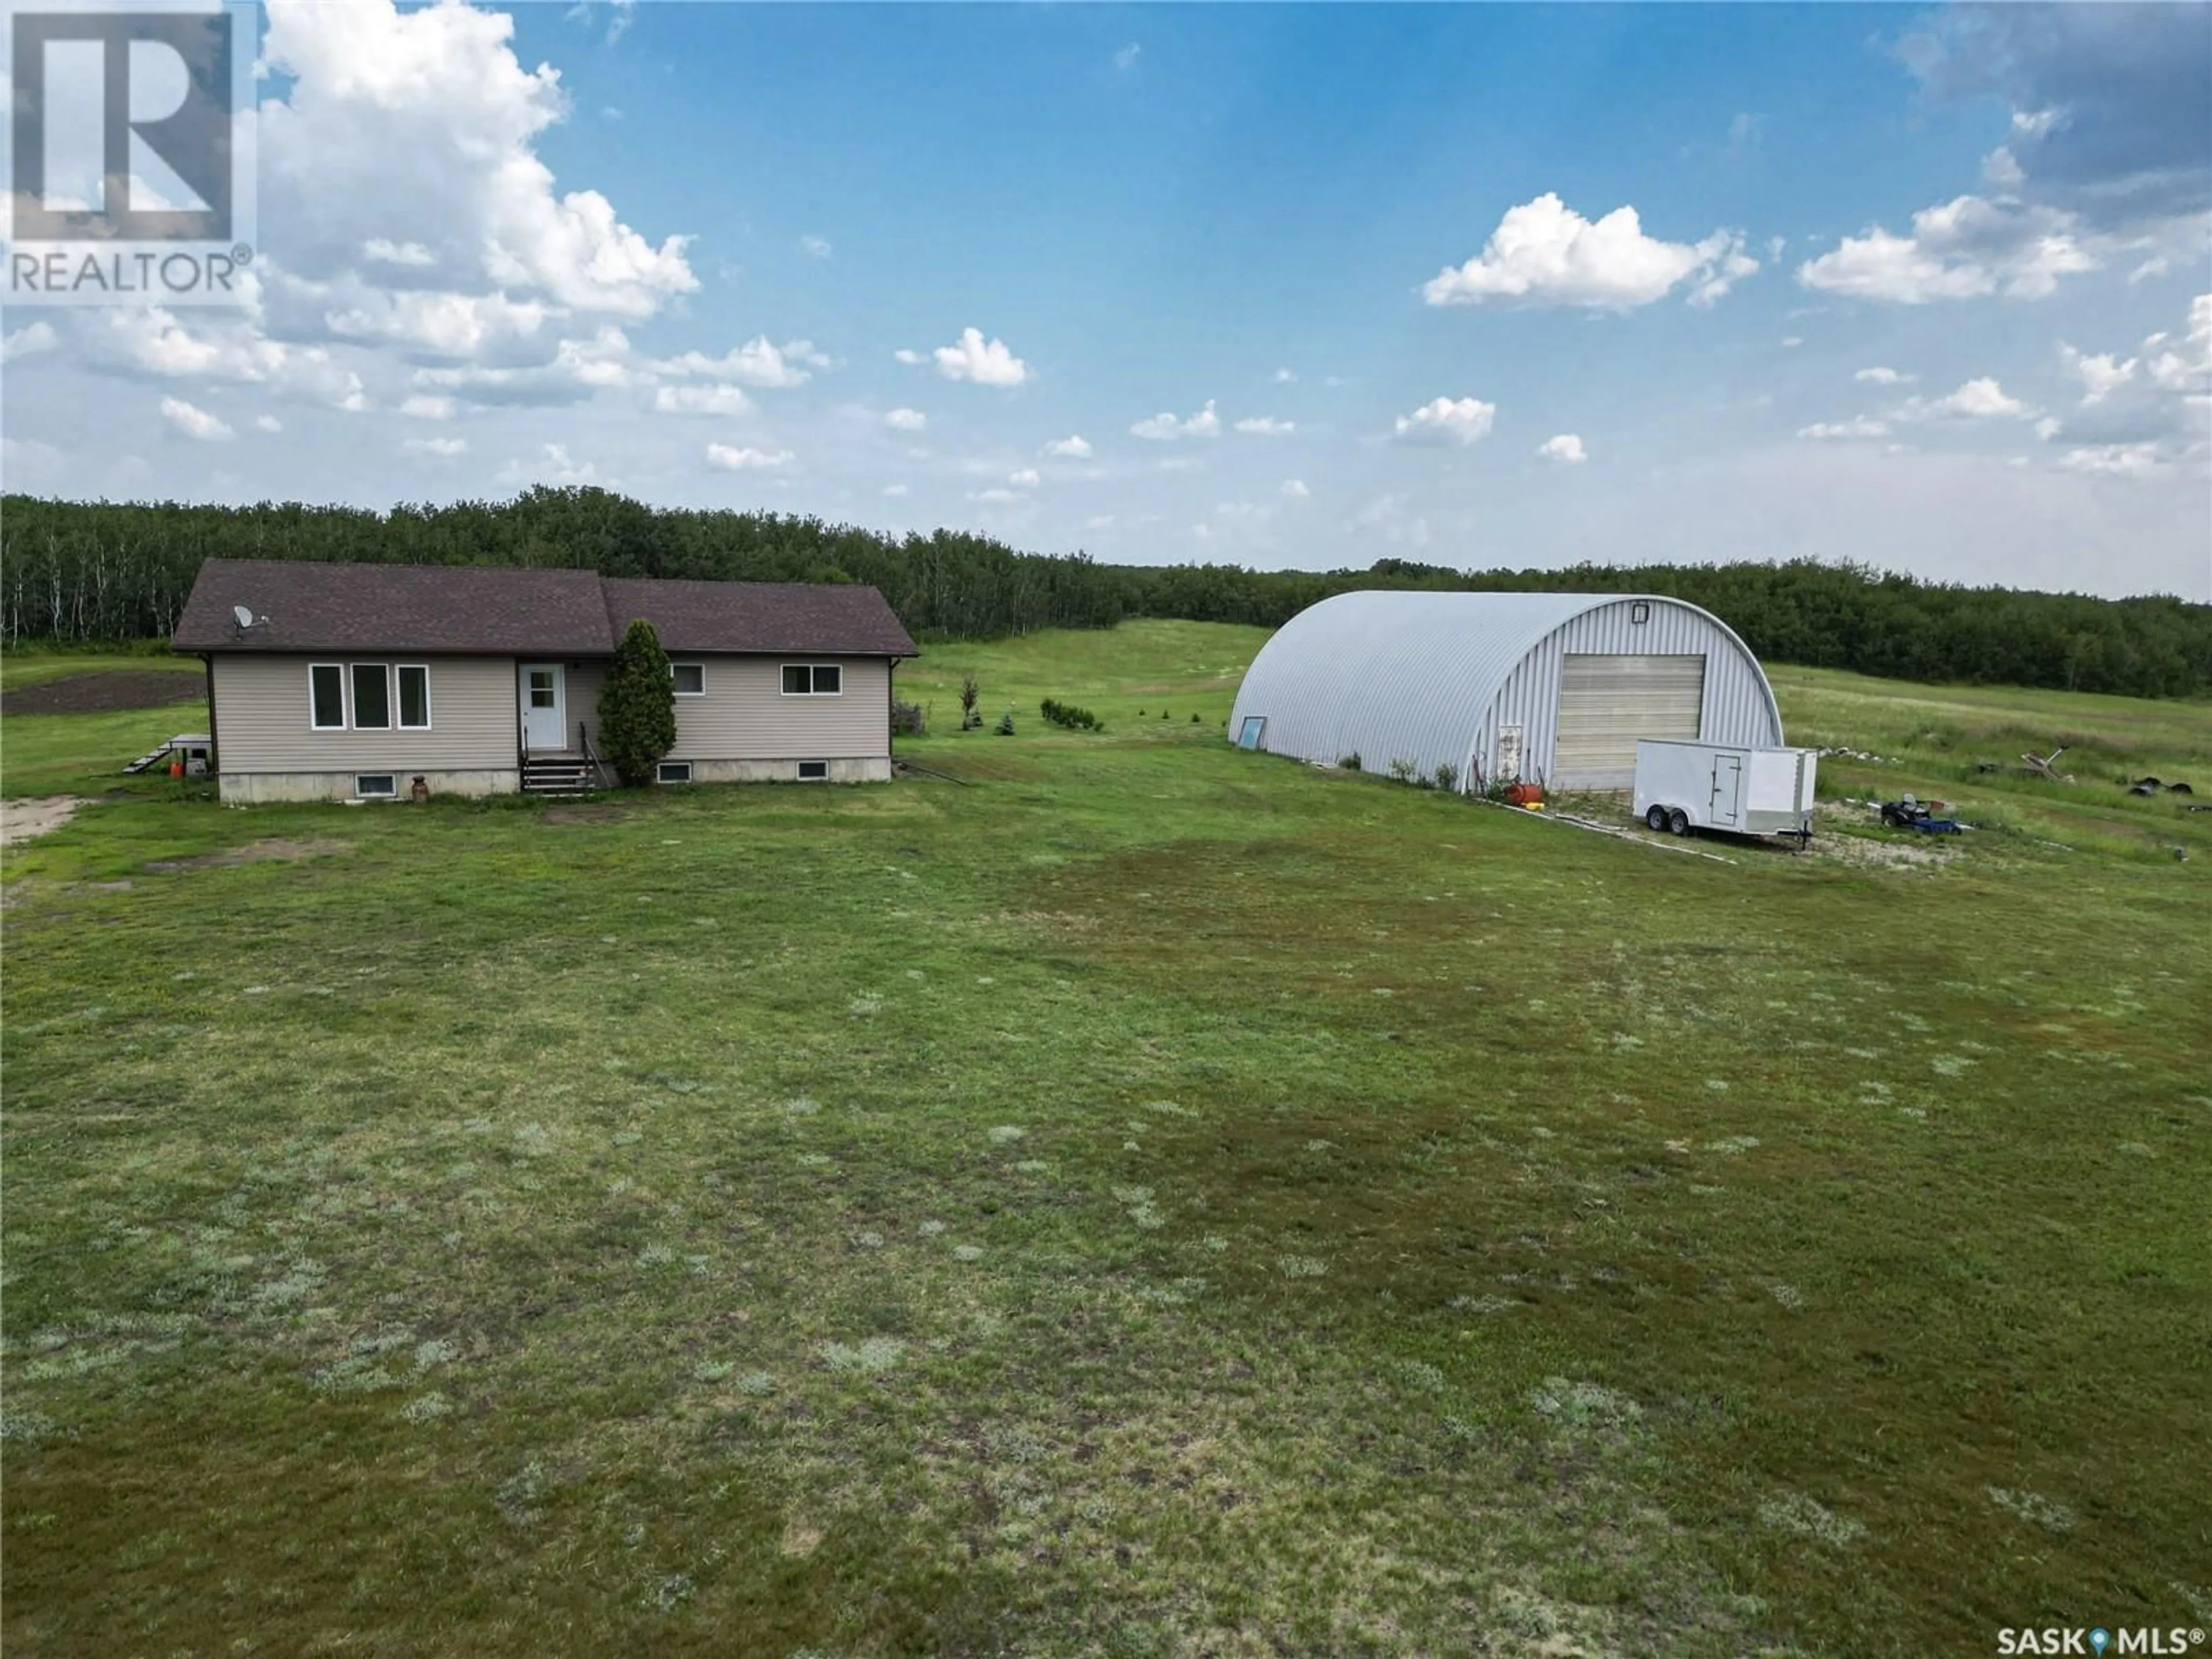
column 637, row 706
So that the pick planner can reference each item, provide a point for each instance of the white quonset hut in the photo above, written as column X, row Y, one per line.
column 1554, row 688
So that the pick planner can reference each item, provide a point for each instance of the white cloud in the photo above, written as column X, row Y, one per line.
column 1127, row 57
column 728, row 460
column 1447, row 420
column 195, row 421
column 2136, row 460
column 415, row 131
column 1793, row 340
column 552, row 464
column 756, row 363
column 153, row 342
column 1979, row 399
column 424, row 407
column 895, row 489
column 972, row 358
column 906, row 419
column 1566, row 448
column 1880, row 377
column 1544, row 253
column 814, row 247
column 909, row 356
column 1967, row 248
column 443, row 449
column 1099, row 521
column 1283, row 377
column 1296, row 488
column 268, row 423
column 382, row 250
column 2157, row 265
column 1859, row 425
column 700, row 400
column 1164, row 428
column 1025, row 479
column 1267, row 426
column 2160, row 395
column 994, row 497
column 1072, row 447
column 28, row 341
column 2101, row 375
column 1746, row 128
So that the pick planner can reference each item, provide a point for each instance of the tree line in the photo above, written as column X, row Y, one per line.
column 112, row 572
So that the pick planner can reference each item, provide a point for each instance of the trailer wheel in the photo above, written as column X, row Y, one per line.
column 1657, row 817
column 1678, row 821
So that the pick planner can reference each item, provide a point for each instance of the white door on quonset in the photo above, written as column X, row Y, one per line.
column 544, row 706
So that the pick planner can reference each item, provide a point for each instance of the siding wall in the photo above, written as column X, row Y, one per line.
column 745, row 716
column 1737, row 708
column 261, row 717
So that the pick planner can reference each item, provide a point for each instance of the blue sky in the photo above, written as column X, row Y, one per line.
column 1917, row 286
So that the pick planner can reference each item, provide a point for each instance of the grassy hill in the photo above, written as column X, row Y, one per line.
column 1148, row 1199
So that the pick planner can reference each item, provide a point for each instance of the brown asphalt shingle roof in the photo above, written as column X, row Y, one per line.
column 483, row 611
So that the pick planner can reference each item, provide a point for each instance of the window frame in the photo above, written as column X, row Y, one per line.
column 360, row 794
column 399, row 697
column 353, row 685
column 806, row 776
column 812, row 670
column 676, row 685
column 339, row 669
column 663, row 768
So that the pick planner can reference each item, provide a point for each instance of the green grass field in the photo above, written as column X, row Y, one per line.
column 1148, row 1200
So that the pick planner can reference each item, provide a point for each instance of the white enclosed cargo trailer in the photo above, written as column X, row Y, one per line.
column 1682, row 786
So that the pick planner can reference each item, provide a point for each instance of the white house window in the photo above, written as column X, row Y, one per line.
column 414, row 696
column 326, row 696
column 674, row 772
column 690, row 678
column 813, row 771
column 813, row 679
column 1640, row 611
column 372, row 697
column 370, row 784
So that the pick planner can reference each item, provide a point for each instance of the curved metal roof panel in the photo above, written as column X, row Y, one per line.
column 1390, row 674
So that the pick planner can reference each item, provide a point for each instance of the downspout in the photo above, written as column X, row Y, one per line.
column 215, row 751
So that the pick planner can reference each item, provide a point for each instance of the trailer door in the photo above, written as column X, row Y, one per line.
column 1726, row 810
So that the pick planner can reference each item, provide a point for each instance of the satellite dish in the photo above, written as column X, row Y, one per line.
column 245, row 617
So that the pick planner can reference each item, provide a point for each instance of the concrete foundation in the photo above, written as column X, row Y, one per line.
column 874, row 768
column 252, row 788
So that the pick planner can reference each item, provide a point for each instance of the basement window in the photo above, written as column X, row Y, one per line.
column 372, row 786
column 814, row 771
column 813, row 679
column 1640, row 611
column 674, row 772
column 690, row 677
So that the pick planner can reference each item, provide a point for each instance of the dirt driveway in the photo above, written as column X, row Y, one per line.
column 20, row 820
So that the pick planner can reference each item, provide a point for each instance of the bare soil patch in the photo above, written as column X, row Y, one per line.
column 104, row 692
column 255, row 852
column 20, row 820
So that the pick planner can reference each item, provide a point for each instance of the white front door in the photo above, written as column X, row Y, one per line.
column 544, row 706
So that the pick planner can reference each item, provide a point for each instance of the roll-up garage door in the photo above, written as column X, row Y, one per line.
column 1607, row 702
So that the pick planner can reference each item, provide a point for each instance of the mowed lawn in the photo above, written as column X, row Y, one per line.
column 1145, row 1200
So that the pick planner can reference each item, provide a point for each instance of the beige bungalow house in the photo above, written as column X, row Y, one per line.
column 349, row 682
